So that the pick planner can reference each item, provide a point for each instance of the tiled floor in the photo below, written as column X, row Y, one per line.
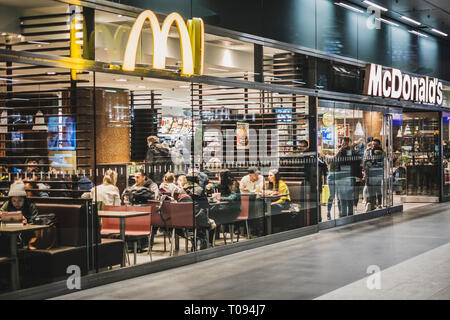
column 158, row 252
column 410, row 248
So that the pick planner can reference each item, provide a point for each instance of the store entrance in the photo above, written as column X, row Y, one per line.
column 416, row 156
column 355, row 152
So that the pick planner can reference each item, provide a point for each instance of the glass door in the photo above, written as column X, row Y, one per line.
column 388, row 172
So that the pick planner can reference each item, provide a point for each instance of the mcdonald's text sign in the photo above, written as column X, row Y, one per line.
column 392, row 83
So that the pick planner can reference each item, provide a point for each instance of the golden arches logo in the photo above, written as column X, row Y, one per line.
column 191, row 42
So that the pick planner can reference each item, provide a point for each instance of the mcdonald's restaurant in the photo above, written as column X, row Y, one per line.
column 137, row 138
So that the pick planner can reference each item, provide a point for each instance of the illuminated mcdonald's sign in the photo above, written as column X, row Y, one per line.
column 191, row 42
column 392, row 83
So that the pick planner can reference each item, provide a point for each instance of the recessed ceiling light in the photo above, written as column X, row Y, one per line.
column 142, row 87
column 121, row 80
column 411, row 20
column 418, row 33
column 375, row 5
column 439, row 32
column 51, row 73
column 348, row 7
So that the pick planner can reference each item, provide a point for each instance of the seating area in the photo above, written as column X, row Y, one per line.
column 72, row 248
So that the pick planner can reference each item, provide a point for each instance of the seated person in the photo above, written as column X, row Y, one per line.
column 253, row 182
column 168, row 185
column 202, row 221
column 30, row 184
column 276, row 184
column 181, row 181
column 18, row 201
column 229, row 192
column 143, row 190
column 107, row 192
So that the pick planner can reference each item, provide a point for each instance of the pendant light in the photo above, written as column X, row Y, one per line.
column 359, row 131
column 407, row 130
column 399, row 134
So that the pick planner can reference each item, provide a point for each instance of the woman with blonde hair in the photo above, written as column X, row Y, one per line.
column 107, row 192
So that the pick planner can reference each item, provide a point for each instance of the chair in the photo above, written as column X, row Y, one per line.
column 156, row 220
column 182, row 217
column 139, row 227
column 111, row 226
column 243, row 216
column 135, row 227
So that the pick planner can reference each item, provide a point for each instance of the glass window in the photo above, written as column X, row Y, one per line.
column 352, row 144
column 416, row 148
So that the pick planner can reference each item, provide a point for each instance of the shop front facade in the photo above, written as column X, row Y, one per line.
column 84, row 87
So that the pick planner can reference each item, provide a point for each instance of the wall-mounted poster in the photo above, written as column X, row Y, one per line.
column 242, row 135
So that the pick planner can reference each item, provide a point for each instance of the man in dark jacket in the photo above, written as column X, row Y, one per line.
column 143, row 190
column 158, row 156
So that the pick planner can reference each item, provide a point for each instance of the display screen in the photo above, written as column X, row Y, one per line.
column 284, row 115
column 62, row 135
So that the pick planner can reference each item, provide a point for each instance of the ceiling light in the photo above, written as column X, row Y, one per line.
column 375, row 5
column 217, row 69
column 7, row 79
column 38, row 42
column 142, row 87
column 439, row 32
column 185, row 86
column 51, row 73
column 411, row 20
column 418, row 33
column 348, row 7
column 387, row 21
column 121, row 80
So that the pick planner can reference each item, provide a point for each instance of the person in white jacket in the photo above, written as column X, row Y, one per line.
column 107, row 192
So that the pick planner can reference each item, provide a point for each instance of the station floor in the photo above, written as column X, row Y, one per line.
column 411, row 251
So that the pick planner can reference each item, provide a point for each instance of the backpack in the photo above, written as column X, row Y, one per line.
column 44, row 239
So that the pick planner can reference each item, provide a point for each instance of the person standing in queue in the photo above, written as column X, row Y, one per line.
column 345, row 179
column 159, row 158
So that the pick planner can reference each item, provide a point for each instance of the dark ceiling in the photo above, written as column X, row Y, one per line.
column 431, row 13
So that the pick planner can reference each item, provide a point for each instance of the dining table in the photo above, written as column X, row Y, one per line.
column 12, row 231
column 268, row 198
column 122, row 215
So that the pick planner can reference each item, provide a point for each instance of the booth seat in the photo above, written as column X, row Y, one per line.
column 43, row 266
